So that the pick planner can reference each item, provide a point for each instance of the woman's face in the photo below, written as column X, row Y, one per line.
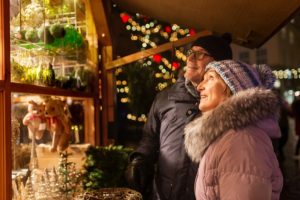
column 213, row 91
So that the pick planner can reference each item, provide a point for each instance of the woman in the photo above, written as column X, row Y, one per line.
column 232, row 137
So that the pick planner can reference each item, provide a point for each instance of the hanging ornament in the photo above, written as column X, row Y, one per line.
column 192, row 31
column 146, row 19
column 175, row 65
column 168, row 29
column 157, row 58
column 125, row 17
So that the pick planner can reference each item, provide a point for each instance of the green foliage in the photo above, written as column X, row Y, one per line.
column 142, row 87
column 71, row 40
column 45, row 35
column 68, row 177
column 80, row 79
column 48, row 76
column 84, row 78
column 31, row 35
column 17, row 70
column 55, row 38
column 57, row 30
column 105, row 167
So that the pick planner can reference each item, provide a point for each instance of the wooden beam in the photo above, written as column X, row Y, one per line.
column 100, row 19
column 149, row 52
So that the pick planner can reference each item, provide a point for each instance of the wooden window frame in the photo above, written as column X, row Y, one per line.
column 7, row 88
column 5, row 103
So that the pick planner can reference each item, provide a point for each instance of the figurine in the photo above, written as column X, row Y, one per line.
column 58, row 123
column 35, row 120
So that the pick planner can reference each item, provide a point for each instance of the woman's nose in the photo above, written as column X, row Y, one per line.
column 200, row 87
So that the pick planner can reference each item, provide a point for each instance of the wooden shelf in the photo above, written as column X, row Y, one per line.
column 34, row 89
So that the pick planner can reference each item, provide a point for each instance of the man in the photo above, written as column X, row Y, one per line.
column 161, row 151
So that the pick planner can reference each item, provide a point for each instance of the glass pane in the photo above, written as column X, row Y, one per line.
column 42, row 127
column 49, row 45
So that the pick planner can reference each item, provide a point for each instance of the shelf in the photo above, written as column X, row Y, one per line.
column 27, row 88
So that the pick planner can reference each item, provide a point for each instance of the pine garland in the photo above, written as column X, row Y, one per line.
column 105, row 167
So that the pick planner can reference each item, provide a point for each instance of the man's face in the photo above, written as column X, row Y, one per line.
column 196, row 62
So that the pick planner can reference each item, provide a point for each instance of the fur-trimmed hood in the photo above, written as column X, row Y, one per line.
column 247, row 107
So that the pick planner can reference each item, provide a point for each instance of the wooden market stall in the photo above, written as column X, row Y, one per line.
column 49, row 85
column 70, row 45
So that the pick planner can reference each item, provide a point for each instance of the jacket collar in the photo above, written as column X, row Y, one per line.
column 247, row 107
column 180, row 92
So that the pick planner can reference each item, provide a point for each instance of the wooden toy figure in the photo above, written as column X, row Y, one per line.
column 58, row 123
column 35, row 120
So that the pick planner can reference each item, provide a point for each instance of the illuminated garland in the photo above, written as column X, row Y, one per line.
column 287, row 73
column 149, row 33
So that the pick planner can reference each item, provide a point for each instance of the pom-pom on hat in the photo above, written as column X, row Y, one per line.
column 240, row 76
column 218, row 47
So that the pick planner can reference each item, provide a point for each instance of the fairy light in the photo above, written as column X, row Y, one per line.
column 124, row 100
column 141, row 32
column 287, row 73
column 134, row 37
column 126, row 89
column 158, row 75
column 128, row 27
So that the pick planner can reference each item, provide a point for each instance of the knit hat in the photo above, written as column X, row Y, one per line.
column 240, row 76
column 218, row 47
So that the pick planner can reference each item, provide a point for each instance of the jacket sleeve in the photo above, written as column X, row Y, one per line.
column 235, row 185
column 149, row 144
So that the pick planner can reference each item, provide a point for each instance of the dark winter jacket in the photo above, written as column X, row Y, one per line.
column 163, row 142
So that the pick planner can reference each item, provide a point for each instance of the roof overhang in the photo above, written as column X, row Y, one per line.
column 251, row 22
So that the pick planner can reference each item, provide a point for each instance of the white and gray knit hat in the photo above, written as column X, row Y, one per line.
column 240, row 76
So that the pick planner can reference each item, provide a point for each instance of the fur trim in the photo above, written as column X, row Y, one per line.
column 242, row 109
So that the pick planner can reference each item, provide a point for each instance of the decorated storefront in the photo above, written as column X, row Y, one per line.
column 58, row 61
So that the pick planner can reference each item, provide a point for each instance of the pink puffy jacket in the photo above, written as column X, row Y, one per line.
column 232, row 143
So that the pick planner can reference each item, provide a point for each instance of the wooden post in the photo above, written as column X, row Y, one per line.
column 107, row 94
column 5, row 103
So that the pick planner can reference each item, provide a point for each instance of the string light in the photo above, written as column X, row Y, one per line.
column 146, row 32
column 287, row 73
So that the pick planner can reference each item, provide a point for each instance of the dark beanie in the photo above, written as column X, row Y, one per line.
column 217, row 47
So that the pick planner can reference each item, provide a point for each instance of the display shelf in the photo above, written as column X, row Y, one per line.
column 72, row 56
column 34, row 89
